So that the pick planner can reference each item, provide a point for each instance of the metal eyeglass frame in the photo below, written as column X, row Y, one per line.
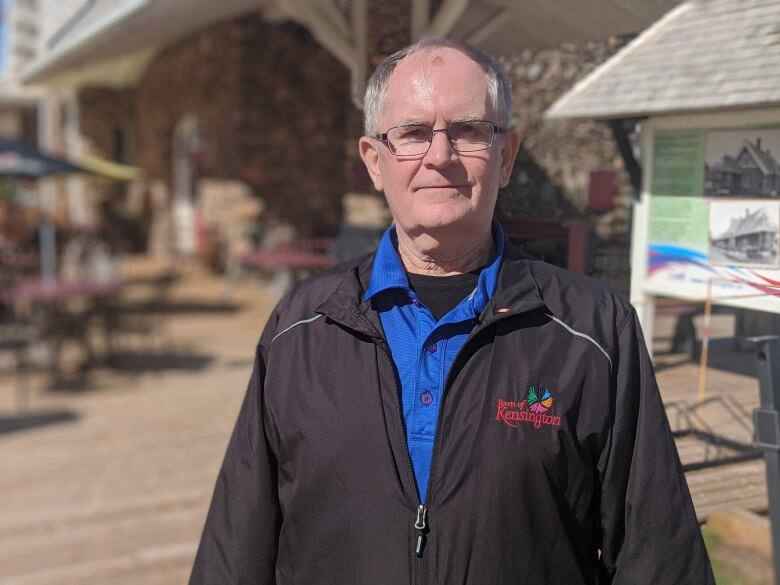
column 496, row 130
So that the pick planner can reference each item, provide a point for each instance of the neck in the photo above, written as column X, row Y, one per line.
column 426, row 254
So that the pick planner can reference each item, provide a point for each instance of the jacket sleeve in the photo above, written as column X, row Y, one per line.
column 239, row 540
column 650, row 534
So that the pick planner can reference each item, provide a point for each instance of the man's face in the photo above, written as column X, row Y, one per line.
column 442, row 188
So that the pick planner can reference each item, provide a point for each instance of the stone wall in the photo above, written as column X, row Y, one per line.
column 293, row 124
column 551, row 176
column 273, row 111
column 269, row 104
column 558, row 155
column 199, row 77
column 102, row 112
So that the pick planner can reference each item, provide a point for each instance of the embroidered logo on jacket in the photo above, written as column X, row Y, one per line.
column 534, row 410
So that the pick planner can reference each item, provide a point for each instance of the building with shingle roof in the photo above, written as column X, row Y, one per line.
column 698, row 92
column 703, row 55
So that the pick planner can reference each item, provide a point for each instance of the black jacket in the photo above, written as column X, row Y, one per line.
column 576, row 482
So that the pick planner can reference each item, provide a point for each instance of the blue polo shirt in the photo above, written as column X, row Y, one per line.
column 423, row 348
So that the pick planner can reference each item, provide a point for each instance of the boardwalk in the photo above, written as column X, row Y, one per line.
column 118, row 495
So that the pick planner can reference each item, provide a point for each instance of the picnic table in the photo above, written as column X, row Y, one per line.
column 18, row 261
column 44, row 292
column 295, row 260
column 48, row 304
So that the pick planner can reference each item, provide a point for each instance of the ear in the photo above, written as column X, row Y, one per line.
column 370, row 156
column 508, row 155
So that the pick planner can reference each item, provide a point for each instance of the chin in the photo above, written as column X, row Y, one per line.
column 447, row 220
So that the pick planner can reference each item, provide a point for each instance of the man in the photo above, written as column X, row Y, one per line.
column 446, row 411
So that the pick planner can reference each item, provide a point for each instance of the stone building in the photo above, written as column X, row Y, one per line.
column 242, row 101
column 253, row 96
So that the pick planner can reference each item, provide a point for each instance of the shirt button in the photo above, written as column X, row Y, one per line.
column 426, row 398
column 416, row 302
column 432, row 347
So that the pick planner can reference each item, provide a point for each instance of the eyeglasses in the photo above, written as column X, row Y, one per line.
column 416, row 139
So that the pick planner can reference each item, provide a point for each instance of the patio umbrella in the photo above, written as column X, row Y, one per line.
column 20, row 160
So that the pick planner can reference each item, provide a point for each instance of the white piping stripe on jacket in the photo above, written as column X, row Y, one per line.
column 583, row 335
column 301, row 322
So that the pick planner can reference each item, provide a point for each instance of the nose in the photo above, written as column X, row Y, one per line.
column 440, row 153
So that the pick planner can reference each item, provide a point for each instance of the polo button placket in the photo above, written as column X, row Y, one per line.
column 424, row 348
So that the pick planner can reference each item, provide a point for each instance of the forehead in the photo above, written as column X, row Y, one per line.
column 435, row 83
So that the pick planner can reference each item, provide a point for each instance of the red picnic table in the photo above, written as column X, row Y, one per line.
column 287, row 259
column 296, row 258
column 37, row 291
column 57, row 320
column 18, row 261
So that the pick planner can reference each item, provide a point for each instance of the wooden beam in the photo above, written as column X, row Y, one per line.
column 327, row 35
column 488, row 26
column 447, row 17
column 360, row 37
column 336, row 18
column 421, row 17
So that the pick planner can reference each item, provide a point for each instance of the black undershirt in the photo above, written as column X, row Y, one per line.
column 441, row 294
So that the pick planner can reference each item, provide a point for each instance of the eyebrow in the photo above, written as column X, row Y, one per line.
column 414, row 121
column 469, row 118
column 464, row 118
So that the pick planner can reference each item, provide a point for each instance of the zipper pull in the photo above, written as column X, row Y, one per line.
column 420, row 525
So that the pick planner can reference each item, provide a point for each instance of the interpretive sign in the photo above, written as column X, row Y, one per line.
column 713, row 216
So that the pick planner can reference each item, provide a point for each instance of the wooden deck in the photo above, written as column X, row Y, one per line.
column 732, row 382
column 118, row 496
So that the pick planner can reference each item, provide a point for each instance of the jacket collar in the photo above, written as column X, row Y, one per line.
column 388, row 271
column 517, row 291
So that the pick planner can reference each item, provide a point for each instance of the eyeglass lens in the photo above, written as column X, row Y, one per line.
column 414, row 139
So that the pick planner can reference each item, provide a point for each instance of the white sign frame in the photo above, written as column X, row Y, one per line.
column 726, row 288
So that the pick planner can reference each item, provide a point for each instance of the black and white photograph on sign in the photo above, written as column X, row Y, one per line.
column 742, row 163
column 744, row 233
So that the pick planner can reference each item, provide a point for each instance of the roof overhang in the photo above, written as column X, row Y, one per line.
column 506, row 27
column 502, row 27
column 704, row 56
column 112, row 41
column 14, row 96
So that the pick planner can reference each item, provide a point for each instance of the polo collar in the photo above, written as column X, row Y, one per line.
column 517, row 291
column 388, row 271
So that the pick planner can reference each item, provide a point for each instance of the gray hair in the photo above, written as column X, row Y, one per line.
column 499, row 86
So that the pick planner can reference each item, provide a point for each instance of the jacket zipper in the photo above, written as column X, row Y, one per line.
column 421, row 514
column 420, row 519
column 437, row 438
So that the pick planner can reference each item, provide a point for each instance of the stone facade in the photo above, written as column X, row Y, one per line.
column 551, row 176
column 103, row 113
column 295, row 97
column 388, row 29
column 273, row 111
column 269, row 105
column 557, row 155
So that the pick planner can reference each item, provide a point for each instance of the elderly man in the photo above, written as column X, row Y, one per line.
column 446, row 411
